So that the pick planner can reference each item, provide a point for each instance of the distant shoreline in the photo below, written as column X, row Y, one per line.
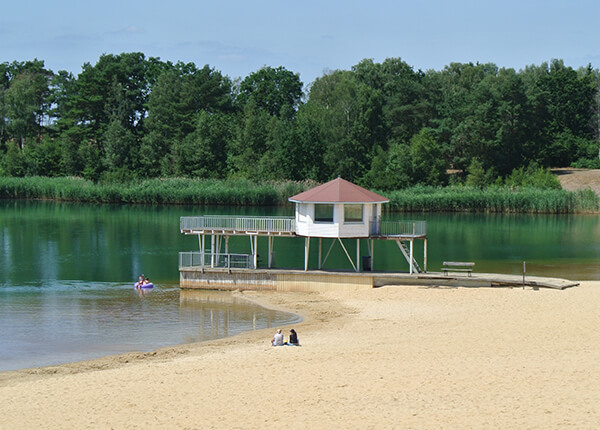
column 181, row 191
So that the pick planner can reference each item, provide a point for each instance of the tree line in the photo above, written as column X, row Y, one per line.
column 382, row 125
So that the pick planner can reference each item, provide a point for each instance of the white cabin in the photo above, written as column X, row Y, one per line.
column 338, row 209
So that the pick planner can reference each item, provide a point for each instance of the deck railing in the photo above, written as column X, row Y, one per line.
column 398, row 228
column 237, row 223
column 287, row 225
column 229, row 261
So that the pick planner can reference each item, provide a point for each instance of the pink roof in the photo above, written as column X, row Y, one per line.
column 338, row 191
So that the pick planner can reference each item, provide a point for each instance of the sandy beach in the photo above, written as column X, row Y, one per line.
column 391, row 357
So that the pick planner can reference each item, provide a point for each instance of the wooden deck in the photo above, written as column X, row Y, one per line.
column 286, row 226
column 322, row 280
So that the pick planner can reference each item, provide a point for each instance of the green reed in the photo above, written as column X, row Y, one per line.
column 247, row 193
column 493, row 199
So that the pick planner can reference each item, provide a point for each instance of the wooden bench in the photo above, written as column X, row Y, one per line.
column 458, row 266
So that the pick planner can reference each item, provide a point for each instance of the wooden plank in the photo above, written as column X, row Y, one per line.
column 459, row 263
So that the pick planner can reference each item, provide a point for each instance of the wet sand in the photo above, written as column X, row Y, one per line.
column 391, row 357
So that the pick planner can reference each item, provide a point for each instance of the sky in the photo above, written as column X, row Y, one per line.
column 308, row 37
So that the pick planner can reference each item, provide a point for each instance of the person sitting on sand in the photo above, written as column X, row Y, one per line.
column 293, row 338
column 277, row 339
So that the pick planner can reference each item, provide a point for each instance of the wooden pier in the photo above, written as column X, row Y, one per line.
column 336, row 211
column 323, row 280
column 218, row 230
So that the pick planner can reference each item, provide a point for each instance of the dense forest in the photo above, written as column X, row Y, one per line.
column 383, row 125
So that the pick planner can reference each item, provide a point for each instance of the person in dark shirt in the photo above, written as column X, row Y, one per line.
column 293, row 338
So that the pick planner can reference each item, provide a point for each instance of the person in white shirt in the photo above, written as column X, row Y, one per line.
column 277, row 339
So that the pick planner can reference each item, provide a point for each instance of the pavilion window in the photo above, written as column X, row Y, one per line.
column 353, row 213
column 324, row 213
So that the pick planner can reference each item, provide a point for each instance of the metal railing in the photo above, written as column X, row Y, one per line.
column 235, row 223
column 398, row 228
column 219, row 260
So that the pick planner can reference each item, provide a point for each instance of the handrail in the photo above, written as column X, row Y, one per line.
column 398, row 228
column 220, row 260
column 237, row 223
column 287, row 225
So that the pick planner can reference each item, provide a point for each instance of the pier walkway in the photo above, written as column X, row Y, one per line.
column 286, row 226
column 324, row 280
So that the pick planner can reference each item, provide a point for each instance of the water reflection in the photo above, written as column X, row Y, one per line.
column 214, row 311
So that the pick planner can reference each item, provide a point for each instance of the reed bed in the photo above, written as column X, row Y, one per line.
column 243, row 192
column 181, row 191
column 492, row 199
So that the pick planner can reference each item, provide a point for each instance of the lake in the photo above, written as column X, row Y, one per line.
column 67, row 272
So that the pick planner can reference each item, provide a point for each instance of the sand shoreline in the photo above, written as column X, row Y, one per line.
column 404, row 357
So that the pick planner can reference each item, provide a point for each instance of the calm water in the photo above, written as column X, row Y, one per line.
column 66, row 285
column 66, row 272
column 61, row 321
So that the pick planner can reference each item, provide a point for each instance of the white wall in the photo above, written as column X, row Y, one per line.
column 305, row 225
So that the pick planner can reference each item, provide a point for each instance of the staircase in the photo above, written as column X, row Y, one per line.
column 406, row 252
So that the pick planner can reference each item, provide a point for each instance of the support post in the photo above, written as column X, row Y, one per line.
column 306, row 252
column 202, row 251
column 227, row 256
column 411, row 257
column 212, row 250
column 358, row 255
column 425, row 255
column 270, row 242
column 256, row 252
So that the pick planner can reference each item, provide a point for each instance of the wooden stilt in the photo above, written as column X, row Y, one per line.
column 425, row 255
column 256, row 252
column 412, row 269
column 358, row 255
column 306, row 252
column 203, row 247
column 270, row 244
column 212, row 250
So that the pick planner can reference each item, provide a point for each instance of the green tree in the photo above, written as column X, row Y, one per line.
column 349, row 114
column 120, row 149
column 181, row 93
column 25, row 102
column 406, row 106
column 390, row 170
column 43, row 159
column 116, row 83
column 275, row 90
column 250, row 142
column 203, row 153
column 429, row 168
